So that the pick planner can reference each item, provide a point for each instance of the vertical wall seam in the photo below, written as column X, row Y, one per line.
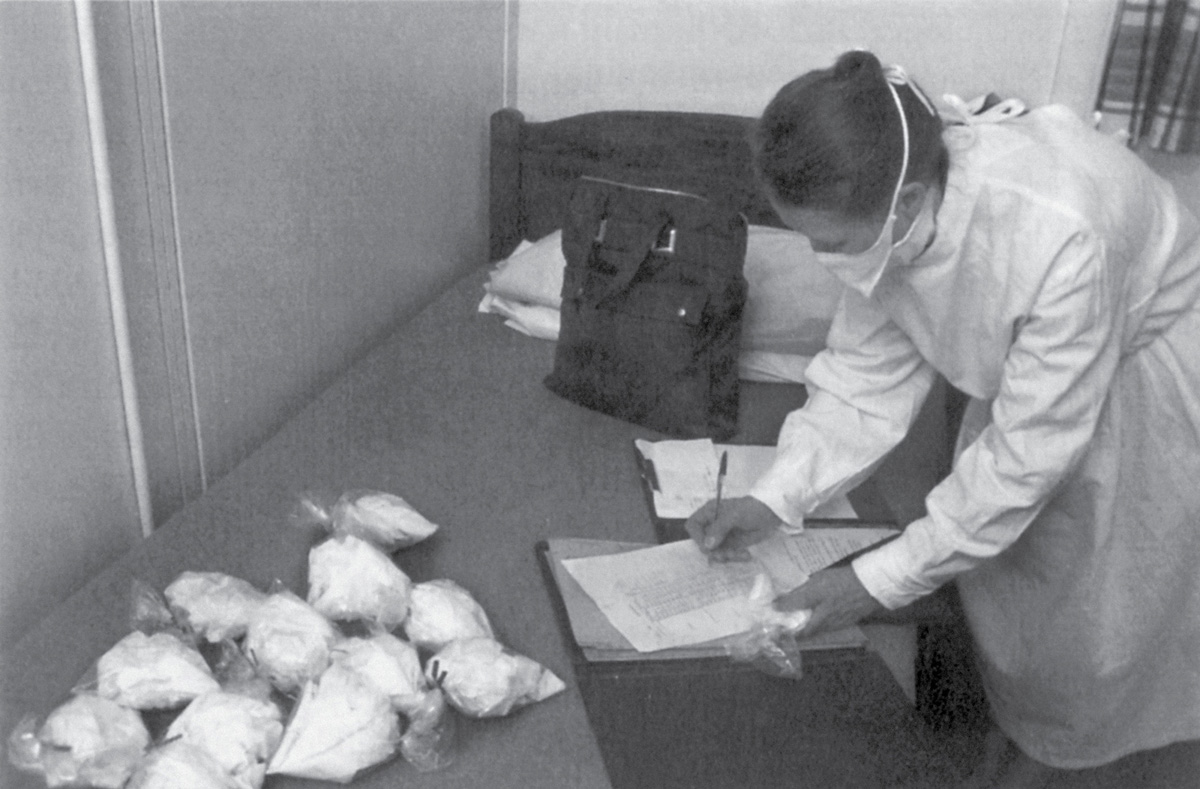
column 504, row 65
column 138, row 45
column 183, row 301
column 85, row 28
column 510, row 74
column 1062, row 46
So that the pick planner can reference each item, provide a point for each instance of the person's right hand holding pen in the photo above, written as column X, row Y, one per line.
column 724, row 529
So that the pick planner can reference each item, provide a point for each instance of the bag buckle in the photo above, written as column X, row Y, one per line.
column 669, row 248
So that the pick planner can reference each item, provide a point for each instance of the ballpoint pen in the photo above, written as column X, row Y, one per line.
column 721, row 479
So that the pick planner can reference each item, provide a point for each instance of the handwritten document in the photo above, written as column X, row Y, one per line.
column 686, row 475
column 669, row 596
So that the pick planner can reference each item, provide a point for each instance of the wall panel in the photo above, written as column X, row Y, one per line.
column 67, row 505
column 729, row 56
column 329, row 163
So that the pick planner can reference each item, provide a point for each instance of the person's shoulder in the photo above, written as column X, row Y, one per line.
column 1052, row 163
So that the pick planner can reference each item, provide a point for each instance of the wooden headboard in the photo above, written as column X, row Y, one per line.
column 534, row 166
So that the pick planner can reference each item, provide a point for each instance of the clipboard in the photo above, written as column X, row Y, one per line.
column 868, row 503
column 701, row 721
column 590, row 637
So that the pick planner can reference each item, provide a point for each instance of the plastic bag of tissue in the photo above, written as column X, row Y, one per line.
column 237, row 674
column 349, row 578
column 158, row 671
column 482, row 679
column 149, row 613
column 215, row 605
column 239, row 732
column 181, row 765
column 771, row 641
column 340, row 725
column 428, row 742
column 289, row 641
column 383, row 519
column 388, row 664
column 88, row 741
column 441, row 611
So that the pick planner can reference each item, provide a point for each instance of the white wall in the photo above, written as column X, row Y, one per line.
column 295, row 179
column 729, row 56
column 67, row 504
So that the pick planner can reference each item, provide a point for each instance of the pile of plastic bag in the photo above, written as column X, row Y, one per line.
column 366, row 668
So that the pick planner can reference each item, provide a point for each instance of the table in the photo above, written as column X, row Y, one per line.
column 450, row 413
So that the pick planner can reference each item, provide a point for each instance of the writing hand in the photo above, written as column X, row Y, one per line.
column 724, row 533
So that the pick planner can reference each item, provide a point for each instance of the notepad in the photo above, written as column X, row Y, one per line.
column 670, row 596
column 683, row 475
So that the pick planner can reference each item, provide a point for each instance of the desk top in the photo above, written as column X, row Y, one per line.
column 449, row 412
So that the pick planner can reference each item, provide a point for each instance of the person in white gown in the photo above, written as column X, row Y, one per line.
column 1046, row 272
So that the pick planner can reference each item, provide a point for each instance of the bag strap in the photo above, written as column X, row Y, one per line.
column 624, row 245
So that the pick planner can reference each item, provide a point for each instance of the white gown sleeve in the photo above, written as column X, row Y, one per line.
column 864, row 392
column 1056, row 379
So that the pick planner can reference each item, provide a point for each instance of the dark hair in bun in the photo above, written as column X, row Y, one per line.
column 831, row 139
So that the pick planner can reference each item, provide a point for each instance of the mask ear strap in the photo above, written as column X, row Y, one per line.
column 904, row 161
column 896, row 75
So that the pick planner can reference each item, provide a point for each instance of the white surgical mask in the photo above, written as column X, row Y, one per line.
column 862, row 270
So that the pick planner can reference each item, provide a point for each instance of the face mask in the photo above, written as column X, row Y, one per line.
column 862, row 270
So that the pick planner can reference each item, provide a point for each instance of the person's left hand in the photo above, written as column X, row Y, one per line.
column 836, row 598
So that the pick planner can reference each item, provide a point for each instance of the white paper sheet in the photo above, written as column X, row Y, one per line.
column 790, row 558
column 671, row 596
column 686, row 472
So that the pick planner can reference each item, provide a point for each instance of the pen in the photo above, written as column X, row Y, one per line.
column 721, row 479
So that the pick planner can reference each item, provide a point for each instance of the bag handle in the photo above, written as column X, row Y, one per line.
column 625, row 247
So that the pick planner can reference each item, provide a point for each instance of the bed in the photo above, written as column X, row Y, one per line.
column 451, row 413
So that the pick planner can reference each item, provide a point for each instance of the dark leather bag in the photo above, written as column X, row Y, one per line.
column 652, row 303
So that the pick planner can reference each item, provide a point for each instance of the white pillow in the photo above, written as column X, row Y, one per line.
column 789, row 306
column 791, row 298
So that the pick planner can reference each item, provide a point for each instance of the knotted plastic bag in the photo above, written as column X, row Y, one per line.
column 156, row 671
column 289, row 641
column 181, row 765
column 88, row 741
column 390, row 665
column 237, row 673
column 382, row 519
column 441, row 611
column 240, row 733
column 214, row 605
column 428, row 742
column 483, row 679
column 349, row 579
column 341, row 725
column 770, row 643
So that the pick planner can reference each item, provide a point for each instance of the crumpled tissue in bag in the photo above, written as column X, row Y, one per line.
column 349, row 578
column 341, row 725
column 152, row 672
column 215, row 605
column 483, row 679
column 383, row 519
column 392, row 666
column 180, row 765
column 289, row 641
column 428, row 742
column 441, row 611
column 241, row 733
column 770, row 641
column 87, row 741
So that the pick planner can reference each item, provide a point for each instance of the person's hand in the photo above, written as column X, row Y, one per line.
column 836, row 598
column 725, row 535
